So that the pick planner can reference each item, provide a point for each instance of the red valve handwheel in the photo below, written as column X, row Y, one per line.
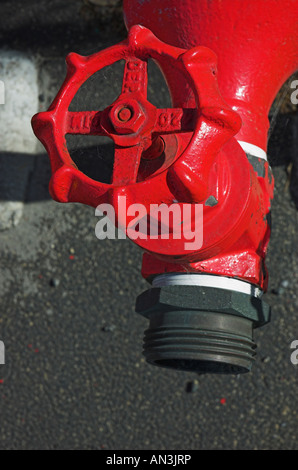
column 135, row 125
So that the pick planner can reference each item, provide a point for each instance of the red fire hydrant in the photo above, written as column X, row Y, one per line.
column 205, row 298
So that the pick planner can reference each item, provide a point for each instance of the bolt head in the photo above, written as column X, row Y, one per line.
column 125, row 114
column 127, row 117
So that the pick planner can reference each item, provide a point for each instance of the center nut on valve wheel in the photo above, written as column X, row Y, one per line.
column 175, row 155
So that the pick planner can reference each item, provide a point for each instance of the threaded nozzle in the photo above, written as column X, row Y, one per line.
column 200, row 342
column 201, row 329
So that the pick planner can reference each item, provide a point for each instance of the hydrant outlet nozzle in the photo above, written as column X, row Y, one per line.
column 201, row 329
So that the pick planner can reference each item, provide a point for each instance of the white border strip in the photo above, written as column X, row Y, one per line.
column 253, row 150
column 206, row 280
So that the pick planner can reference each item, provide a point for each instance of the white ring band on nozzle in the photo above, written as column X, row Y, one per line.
column 207, row 280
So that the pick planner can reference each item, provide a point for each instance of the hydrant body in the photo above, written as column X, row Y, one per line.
column 257, row 51
column 255, row 42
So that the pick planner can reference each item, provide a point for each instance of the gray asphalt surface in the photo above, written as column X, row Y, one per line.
column 74, row 376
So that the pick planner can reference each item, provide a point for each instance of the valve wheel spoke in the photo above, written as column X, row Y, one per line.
column 126, row 164
column 170, row 120
column 135, row 77
column 85, row 123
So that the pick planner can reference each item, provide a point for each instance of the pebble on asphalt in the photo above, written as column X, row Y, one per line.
column 54, row 282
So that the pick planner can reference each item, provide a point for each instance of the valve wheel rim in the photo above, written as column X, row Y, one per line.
column 141, row 45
